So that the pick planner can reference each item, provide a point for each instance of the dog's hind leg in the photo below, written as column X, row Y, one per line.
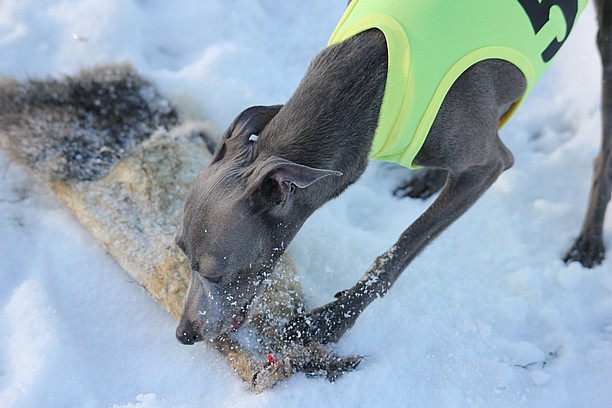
column 589, row 247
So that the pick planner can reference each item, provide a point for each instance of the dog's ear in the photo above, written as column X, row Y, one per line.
column 251, row 121
column 277, row 179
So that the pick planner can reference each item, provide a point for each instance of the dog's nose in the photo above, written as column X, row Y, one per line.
column 187, row 335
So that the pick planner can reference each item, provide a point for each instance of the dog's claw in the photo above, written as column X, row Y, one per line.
column 340, row 294
column 589, row 252
column 332, row 370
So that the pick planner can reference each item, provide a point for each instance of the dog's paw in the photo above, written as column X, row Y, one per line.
column 589, row 252
column 423, row 184
column 322, row 325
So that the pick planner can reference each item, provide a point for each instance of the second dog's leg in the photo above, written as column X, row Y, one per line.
column 589, row 248
column 331, row 321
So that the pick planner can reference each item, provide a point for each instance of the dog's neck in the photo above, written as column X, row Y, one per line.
column 330, row 120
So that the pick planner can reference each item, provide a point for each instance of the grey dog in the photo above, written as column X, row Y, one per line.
column 248, row 204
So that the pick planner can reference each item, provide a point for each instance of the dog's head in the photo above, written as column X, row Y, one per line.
column 239, row 216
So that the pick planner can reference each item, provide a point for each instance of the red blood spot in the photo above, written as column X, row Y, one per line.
column 237, row 322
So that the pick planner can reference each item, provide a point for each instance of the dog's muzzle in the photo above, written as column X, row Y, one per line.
column 187, row 334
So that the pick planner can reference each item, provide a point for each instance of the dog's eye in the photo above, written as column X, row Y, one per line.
column 214, row 279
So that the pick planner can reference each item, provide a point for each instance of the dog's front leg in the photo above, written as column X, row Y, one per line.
column 331, row 321
column 423, row 184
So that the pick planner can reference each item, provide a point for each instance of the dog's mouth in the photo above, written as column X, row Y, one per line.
column 239, row 320
column 245, row 314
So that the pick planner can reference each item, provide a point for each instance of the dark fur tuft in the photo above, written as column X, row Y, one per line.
column 79, row 127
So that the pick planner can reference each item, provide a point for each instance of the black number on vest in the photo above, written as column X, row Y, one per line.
column 538, row 12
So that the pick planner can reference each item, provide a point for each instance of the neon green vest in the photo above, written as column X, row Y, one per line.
column 430, row 43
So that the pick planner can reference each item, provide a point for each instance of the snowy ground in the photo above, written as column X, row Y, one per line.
column 488, row 316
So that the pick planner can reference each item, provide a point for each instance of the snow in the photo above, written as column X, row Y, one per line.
column 487, row 316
